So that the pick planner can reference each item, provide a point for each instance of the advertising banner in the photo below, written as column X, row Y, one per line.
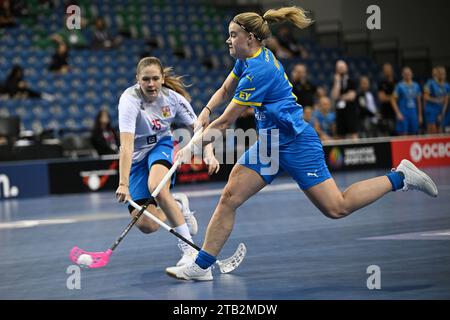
column 83, row 176
column 25, row 180
column 358, row 156
column 423, row 152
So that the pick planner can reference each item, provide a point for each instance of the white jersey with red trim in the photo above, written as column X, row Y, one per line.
column 150, row 121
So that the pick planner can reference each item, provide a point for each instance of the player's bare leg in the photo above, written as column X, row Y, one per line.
column 242, row 184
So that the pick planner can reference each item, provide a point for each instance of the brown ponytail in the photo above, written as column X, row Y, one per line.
column 171, row 81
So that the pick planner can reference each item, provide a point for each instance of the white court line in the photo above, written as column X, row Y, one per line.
column 423, row 235
column 33, row 223
column 218, row 192
column 95, row 217
column 36, row 223
column 110, row 216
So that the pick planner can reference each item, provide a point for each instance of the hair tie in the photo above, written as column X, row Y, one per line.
column 246, row 30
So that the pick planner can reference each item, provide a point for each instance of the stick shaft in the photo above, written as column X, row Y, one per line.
column 155, row 193
column 165, row 179
column 130, row 225
column 163, row 225
column 144, row 207
column 173, row 168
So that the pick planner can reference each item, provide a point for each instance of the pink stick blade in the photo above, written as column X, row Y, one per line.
column 99, row 259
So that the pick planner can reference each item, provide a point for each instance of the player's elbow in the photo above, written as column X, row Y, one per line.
column 228, row 123
column 224, row 92
column 222, row 123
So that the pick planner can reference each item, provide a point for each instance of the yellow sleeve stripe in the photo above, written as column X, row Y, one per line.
column 275, row 61
column 234, row 76
column 242, row 103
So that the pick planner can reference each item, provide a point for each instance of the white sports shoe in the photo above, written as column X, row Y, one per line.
column 416, row 179
column 190, row 272
column 191, row 221
column 189, row 254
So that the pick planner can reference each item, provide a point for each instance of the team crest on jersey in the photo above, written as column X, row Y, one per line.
column 165, row 111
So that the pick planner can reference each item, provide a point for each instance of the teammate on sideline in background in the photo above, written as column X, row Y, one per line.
column 146, row 111
column 258, row 80
column 445, row 117
column 407, row 104
column 435, row 99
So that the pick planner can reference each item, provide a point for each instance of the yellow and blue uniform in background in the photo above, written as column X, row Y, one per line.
column 446, row 120
column 433, row 109
column 264, row 86
column 407, row 95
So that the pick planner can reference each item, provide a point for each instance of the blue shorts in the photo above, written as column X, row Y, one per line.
column 431, row 114
column 410, row 122
column 303, row 159
column 162, row 153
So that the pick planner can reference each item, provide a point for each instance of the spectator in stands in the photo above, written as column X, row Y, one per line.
column 324, row 120
column 286, row 40
column 73, row 38
column 7, row 18
column 3, row 141
column 435, row 97
column 320, row 92
column 385, row 89
column 407, row 105
column 104, row 138
column 60, row 59
column 15, row 86
column 367, row 109
column 279, row 51
column 301, row 86
column 308, row 114
column 344, row 96
column 102, row 38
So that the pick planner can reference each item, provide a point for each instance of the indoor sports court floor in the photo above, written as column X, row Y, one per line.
column 294, row 252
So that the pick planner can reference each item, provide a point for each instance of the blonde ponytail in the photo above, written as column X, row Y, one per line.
column 295, row 15
column 259, row 25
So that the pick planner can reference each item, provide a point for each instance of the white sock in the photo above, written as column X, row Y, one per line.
column 184, row 231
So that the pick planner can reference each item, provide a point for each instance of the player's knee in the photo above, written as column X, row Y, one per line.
column 148, row 227
column 229, row 198
column 162, row 196
column 336, row 211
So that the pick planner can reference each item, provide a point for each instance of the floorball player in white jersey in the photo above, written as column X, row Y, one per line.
column 146, row 112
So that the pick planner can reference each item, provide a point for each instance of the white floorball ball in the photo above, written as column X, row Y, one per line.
column 94, row 182
column 84, row 260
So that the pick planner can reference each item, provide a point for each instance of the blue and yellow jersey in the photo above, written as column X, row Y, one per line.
column 264, row 85
column 436, row 90
column 407, row 94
